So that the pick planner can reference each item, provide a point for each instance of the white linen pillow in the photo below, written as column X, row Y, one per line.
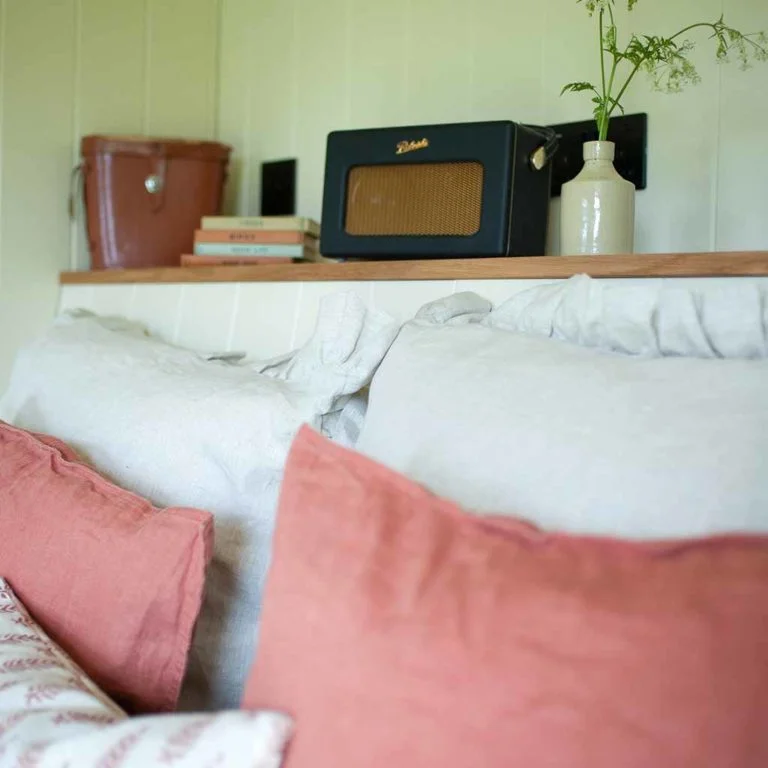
column 572, row 438
column 717, row 319
column 52, row 715
column 183, row 431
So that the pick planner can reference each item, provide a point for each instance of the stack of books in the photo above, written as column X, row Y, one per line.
column 254, row 240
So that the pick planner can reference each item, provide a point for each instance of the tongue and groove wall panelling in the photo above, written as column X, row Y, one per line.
column 439, row 57
column 182, row 67
column 234, row 108
column 507, row 60
column 321, row 54
column 742, row 162
column 273, row 63
column 37, row 59
column 379, row 66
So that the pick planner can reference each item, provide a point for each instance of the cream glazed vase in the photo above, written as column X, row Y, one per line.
column 597, row 208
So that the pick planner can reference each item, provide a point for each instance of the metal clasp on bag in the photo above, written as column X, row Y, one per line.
column 154, row 183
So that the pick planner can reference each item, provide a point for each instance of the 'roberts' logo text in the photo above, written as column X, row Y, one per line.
column 411, row 146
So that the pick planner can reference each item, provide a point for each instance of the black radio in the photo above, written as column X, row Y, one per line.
column 463, row 189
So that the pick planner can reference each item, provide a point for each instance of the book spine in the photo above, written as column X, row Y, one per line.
column 190, row 260
column 299, row 223
column 261, row 237
column 248, row 249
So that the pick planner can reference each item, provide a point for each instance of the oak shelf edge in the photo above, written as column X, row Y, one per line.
column 717, row 264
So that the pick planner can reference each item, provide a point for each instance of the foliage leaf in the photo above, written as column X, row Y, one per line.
column 578, row 88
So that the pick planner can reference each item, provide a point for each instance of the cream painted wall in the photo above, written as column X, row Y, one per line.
column 292, row 70
column 69, row 68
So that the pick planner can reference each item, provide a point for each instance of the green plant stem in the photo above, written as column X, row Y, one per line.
column 693, row 26
column 605, row 115
column 602, row 53
column 604, row 120
column 632, row 74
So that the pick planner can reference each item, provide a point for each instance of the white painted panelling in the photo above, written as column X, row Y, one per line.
column 321, row 58
column 111, row 67
column 113, row 300
column 359, row 63
column 264, row 319
column 267, row 320
column 310, row 296
column 205, row 316
column 271, row 61
column 498, row 291
column 158, row 307
column 743, row 155
column 38, row 64
column 76, row 297
column 378, row 81
column 182, row 54
column 402, row 299
column 496, row 86
column 439, row 57
column 234, row 100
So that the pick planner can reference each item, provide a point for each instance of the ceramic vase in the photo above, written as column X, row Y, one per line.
column 597, row 208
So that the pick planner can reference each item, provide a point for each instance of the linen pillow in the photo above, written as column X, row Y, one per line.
column 726, row 318
column 181, row 430
column 711, row 319
column 400, row 630
column 117, row 582
column 577, row 439
column 51, row 714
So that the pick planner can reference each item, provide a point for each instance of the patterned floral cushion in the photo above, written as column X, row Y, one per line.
column 52, row 715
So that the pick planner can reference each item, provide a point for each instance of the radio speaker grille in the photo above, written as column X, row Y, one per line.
column 417, row 199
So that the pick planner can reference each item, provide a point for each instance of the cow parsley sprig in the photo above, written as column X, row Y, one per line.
column 664, row 59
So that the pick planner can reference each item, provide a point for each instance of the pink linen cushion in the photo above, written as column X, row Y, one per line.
column 115, row 581
column 399, row 630
column 51, row 714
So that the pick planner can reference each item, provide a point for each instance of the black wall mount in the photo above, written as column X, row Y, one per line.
column 278, row 188
column 628, row 132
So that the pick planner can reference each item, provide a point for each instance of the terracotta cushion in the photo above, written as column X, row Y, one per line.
column 115, row 581
column 399, row 630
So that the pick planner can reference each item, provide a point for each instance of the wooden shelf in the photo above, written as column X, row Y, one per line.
column 732, row 264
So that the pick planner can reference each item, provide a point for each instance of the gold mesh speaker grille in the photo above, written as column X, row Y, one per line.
column 419, row 199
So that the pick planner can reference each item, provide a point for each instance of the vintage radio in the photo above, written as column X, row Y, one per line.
column 463, row 189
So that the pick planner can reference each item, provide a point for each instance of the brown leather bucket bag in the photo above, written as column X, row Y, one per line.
column 144, row 198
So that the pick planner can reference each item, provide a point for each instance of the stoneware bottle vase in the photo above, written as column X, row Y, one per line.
column 597, row 208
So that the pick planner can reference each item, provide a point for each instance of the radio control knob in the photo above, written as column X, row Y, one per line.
column 539, row 159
